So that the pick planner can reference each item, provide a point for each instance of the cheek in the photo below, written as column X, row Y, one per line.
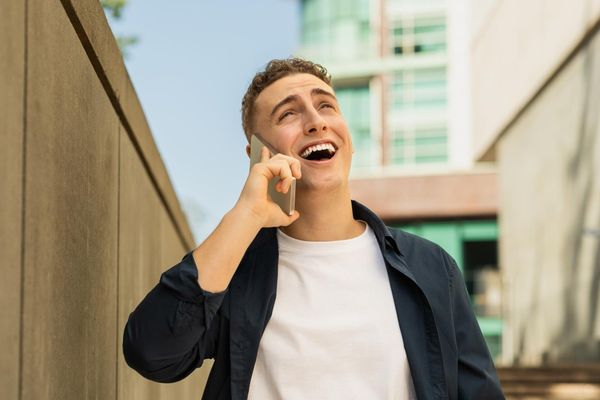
column 340, row 126
column 283, row 139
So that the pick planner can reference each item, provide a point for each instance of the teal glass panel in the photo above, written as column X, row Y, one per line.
column 418, row 35
column 435, row 26
column 429, row 103
column 428, row 159
column 447, row 235
column 419, row 146
column 419, row 89
column 355, row 106
column 490, row 325
column 430, row 47
column 336, row 29
column 430, row 35
column 480, row 230
column 344, row 9
column 365, row 30
column 430, row 140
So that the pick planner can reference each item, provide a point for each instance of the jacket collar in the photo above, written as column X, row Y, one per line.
column 388, row 243
column 360, row 212
column 382, row 232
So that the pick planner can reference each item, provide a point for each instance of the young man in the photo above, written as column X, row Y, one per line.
column 327, row 303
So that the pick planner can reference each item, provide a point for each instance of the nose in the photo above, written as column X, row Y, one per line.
column 315, row 123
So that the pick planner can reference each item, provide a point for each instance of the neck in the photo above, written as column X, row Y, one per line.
column 324, row 216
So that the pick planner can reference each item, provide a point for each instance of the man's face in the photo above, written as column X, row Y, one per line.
column 298, row 112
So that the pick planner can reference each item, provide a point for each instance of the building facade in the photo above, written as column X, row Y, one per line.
column 400, row 70
column 536, row 81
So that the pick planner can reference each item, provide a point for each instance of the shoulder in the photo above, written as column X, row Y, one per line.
column 424, row 257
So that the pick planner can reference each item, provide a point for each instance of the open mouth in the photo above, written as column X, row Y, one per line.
column 319, row 152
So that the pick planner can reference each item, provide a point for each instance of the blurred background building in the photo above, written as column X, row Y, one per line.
column 401, row 74
column 535, row 79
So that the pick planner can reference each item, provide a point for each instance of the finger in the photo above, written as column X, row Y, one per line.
column 280, row 168
column 296, row 169
column 288, row 183
column 264, row 154
column 294, row 164
column 279, row 186
column 283, row 185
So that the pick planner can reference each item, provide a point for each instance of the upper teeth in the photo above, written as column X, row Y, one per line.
column 317, row 147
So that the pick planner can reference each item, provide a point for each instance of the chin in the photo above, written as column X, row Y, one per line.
column 320, row 185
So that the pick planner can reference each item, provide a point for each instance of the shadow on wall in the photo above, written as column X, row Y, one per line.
column 585, row 347
column 575, row 286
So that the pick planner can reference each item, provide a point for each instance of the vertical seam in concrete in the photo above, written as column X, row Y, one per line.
column 118, row 256
column 23, row 181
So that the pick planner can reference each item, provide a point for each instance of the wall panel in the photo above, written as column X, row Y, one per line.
column 89, row 218
column 70, row 261
column 149, row 245
column 139, row 257
column 549, row 163
column 12, row 71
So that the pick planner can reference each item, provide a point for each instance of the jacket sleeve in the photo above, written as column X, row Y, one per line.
column 175, row 327
column 477, row 378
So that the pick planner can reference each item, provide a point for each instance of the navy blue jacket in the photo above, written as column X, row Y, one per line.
column 178, row 324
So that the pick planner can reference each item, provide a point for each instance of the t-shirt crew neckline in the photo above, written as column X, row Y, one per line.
column 288, row 243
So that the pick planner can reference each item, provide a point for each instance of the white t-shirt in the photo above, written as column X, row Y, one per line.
column 334, row 333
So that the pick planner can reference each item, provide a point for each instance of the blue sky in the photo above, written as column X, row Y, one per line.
column 190, row 69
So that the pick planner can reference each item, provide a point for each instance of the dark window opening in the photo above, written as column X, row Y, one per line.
column 482, row 276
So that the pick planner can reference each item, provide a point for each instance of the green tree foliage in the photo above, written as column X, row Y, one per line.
column 114, row 9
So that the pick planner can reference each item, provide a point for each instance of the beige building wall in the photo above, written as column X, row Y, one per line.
column 516, row 47
column 89, row 218
column 536, row 70
column 549, row 169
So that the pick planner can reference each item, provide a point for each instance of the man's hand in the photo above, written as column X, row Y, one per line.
column 218, row 257
column 254, row 198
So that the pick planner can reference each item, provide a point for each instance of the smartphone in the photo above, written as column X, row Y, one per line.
column 287, row 201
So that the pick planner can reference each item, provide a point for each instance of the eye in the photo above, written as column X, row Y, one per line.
column 285, row 114
column 327, row 105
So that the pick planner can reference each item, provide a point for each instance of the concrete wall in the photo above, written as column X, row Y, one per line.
column 516, row 47
column 89, row 218
column 549, row 172
column 12, row 53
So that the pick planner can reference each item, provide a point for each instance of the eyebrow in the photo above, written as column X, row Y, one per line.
column 294, row 97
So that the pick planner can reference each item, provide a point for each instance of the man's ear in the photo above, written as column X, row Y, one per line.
column 248, row 150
